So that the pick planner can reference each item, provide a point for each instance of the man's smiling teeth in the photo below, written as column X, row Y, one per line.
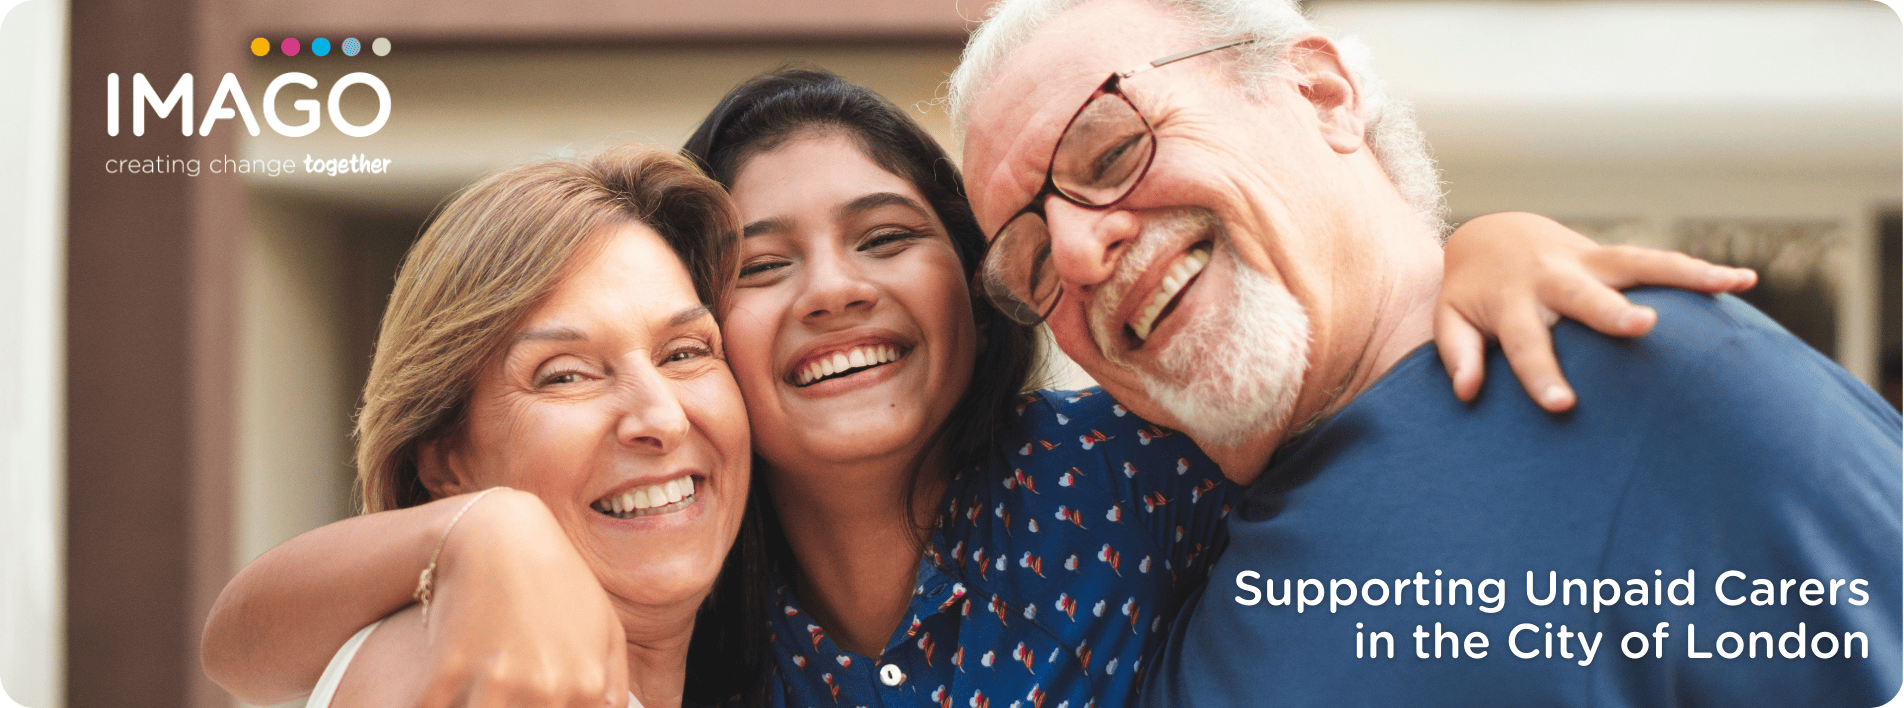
column 652, row 499
column 1179, row 275
column 855, row 358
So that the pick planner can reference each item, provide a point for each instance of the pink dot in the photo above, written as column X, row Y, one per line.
column 290, row 46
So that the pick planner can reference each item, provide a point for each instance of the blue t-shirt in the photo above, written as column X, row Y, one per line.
column 1050, row 580
column 1715, row 460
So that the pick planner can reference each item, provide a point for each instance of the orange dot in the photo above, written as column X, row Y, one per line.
column 260, row 47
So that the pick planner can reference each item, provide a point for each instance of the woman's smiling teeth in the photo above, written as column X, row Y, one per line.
column 660, row 498
column 846, row 362
column 1175, row 279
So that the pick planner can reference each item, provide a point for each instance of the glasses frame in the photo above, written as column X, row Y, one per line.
column 1000, row 293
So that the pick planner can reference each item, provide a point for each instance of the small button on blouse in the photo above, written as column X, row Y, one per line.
column 891, row 675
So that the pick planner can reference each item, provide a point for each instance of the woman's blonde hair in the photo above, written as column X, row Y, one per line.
column 493, row 253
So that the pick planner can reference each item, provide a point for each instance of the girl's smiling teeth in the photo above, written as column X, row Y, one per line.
column 1186, row 269
column 842, row 363
column 648, row 500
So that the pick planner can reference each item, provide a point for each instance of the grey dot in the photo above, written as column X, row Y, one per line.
column 380, row 46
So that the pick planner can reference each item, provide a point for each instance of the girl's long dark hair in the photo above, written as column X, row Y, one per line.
column 730, row 652
column 767, row 111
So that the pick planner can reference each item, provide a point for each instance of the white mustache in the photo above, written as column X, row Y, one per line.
column 1162, row 235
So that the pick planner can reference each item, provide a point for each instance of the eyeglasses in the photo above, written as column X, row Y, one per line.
column 1101, row 156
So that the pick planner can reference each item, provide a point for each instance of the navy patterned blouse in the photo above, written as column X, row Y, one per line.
column 1050, row 579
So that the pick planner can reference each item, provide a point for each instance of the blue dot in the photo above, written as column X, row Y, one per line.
column 320, row 46
column 351, row 47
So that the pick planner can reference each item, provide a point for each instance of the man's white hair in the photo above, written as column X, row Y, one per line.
column 1391, row 133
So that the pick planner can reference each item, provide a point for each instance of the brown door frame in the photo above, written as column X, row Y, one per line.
column 152, row 276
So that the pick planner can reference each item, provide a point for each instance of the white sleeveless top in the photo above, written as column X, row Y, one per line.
column 334, row 673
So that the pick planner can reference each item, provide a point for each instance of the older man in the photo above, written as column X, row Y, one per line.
column 1239, row 238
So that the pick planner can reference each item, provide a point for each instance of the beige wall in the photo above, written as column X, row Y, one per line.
column 295, row 396
column 1654, row 114
column 460, row 113
column 619, row 20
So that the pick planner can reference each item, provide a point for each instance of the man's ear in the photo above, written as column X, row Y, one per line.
column 440, row 467
column 1331, row 89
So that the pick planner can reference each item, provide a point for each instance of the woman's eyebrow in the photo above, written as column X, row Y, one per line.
column 571, row 334
column 690, row 314
column 553, row 334
column 878, row 200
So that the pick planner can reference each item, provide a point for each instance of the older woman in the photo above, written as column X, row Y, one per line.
column 554, row 332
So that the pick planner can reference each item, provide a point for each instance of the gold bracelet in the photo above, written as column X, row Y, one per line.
column 426, row 583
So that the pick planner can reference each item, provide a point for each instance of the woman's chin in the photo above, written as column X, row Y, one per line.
column 663, row 579
column 661, row 560
column 860, row 436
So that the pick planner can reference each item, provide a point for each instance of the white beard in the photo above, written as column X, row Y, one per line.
column 1243, row 363
column 1232, row 373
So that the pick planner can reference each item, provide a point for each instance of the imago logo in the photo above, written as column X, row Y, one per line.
column 229, row 102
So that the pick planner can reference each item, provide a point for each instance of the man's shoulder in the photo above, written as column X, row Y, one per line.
column 1714, row 360
column 1717, row 395
column 1701, row 343
column 1694, row 324
column 1696, row 331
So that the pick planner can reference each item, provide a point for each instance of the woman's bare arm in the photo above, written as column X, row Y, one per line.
column 277, row 624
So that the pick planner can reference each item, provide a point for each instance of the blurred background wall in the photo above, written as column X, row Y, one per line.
column 218, row 330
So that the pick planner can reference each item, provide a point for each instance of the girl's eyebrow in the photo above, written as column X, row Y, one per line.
column 861, row 204
column 762, row 227
column 882, row 199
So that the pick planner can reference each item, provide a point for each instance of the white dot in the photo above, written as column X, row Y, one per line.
column 381, row 46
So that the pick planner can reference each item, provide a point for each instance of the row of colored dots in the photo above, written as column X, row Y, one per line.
column 320, row 46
